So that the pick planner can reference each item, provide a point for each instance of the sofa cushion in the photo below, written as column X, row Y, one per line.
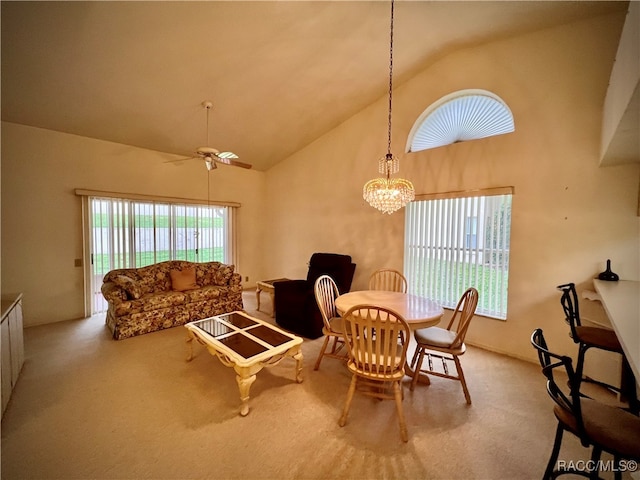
column 182, row 280
column 210, row 292
column 157, row 301
column 224, row 274
column 149, row 302
column 155, row 278
column 213, row 273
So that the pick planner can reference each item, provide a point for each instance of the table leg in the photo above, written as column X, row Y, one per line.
column 258, row 291
column 273, row 303
column 189, row 342
column 422, row 377
column 244, row 384
column 298, row 358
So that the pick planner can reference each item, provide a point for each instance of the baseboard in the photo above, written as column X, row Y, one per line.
column 502, row 352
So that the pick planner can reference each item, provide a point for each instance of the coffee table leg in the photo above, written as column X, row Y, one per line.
column 189, row 342
column 298, row 358
column 244, row 384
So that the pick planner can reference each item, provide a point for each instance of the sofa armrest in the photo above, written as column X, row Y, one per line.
column 113, row 293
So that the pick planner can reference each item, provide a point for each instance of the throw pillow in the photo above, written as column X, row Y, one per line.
column 182, row 280
column 128, row 285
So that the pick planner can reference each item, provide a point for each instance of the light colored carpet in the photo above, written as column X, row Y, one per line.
column 88, row 407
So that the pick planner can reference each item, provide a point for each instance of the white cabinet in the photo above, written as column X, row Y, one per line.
column 11, row 344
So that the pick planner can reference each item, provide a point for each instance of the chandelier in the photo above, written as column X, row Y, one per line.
column 389, row 194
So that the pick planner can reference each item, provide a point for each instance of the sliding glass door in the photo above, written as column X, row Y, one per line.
column 126, row 233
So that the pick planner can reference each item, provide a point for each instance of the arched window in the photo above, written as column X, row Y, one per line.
column 460, row 116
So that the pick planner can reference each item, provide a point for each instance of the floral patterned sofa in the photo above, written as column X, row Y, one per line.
column 168, row 294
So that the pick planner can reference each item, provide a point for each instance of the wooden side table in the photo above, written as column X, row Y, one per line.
column 267, row 286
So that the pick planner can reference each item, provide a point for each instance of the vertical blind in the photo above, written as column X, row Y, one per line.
column 126, row 233
column 455, row 243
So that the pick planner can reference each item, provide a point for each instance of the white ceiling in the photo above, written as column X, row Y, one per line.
column 280, row 73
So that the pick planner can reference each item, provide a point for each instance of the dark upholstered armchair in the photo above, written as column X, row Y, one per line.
column 295, row 302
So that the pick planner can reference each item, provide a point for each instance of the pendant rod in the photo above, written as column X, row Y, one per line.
column 390, row 79
column 208, row 109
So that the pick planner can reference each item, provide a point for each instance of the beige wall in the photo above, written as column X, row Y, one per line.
column 42, row 218
column 569, row 215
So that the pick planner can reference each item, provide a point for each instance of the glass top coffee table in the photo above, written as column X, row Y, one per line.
column 247, row 344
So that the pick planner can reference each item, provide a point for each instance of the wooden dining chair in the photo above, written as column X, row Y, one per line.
column 595, row 337
column 388, row 279
column 445, row 344
column 605, row 428
column 326, row 291
column 377, row 340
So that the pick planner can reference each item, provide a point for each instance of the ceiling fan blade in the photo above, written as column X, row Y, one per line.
column 226, row 155
column 235, row 163
column 179, row 160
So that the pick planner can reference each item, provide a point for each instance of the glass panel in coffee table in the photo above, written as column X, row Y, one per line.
column 247, row 344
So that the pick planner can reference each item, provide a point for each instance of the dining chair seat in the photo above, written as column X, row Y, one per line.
column 611, row 426
column 336, row 326
column 436, row 337
column 599, row 337
column 605, row 425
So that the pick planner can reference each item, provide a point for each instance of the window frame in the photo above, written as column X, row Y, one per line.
column 460, row 116
column 443, row 251
column 176, row 213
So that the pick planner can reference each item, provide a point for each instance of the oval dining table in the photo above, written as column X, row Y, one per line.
column 419, row 312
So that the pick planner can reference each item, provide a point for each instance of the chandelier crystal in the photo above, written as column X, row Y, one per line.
column 389, row 194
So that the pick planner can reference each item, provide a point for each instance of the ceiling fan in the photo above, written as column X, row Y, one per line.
column 210, row 155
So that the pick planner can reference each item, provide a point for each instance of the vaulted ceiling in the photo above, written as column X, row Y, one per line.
column 279, row 73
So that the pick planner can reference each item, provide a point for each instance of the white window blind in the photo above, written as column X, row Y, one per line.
column 457, row 241
column 127, row 233
column 460, row 116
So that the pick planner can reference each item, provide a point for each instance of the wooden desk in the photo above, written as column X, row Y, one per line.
column 621, row 301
